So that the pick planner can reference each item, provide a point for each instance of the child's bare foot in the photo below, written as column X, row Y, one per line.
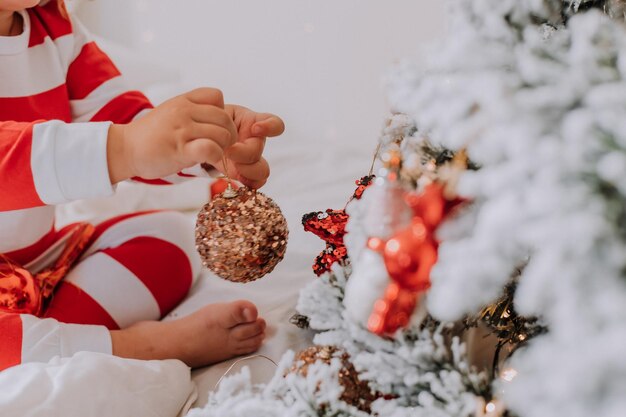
column 212, row 334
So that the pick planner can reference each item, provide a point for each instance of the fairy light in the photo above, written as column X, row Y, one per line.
column 508, row 374
column 431, row 166
column 490, row 407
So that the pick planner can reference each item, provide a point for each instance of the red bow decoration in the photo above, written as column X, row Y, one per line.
column 409, row 257
column 24, row 293
column 330, row 225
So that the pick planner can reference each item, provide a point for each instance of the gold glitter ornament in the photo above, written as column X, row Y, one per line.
column 241, row 235
column 355, row 392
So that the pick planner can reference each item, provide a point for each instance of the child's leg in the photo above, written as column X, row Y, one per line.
column 214, row 333
column 138, row 268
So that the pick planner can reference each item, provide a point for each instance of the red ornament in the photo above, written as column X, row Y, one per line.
column 362, row 185
column 19, row 293
column 24, row 293
column 432, row 205
column 409, row 257
column 393, row 311
column 330, row 226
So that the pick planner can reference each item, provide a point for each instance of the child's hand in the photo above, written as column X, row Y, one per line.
column 244, row 159
column 182, row 132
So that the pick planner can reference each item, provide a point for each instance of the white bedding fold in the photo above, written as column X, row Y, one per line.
column 96, row 385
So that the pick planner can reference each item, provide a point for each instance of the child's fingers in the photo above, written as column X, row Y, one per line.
column 235, row 171
column 268, row 125
column 259, row 171
column 206, row 95
column 202, row 150
column 219, row 134
column 213, row 115
column 247, row 152
column 255, row 185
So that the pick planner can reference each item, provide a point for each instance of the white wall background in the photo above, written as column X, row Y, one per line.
column 317, row 63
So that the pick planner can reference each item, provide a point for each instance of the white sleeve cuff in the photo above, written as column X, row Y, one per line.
column 69, row 161
column 85, row 338
column 43, row 339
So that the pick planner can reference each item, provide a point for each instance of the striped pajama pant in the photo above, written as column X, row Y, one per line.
column 137, row 267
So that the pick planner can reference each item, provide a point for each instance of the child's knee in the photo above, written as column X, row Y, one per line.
column 178, row 229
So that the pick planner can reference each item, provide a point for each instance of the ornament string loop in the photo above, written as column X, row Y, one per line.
column 238, row 361
column 230, row 191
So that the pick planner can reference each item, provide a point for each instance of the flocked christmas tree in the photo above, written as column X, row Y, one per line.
column 500, row 209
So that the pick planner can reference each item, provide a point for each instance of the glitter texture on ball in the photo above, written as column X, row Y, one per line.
column 241, row 239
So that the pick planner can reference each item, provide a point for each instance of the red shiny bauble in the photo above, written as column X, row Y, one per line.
column 410, row 255
column 393, row 311
column 432, row 205
column 19, row 292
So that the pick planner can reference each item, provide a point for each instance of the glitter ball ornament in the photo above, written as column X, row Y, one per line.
column 241, row 235
column 355, row 392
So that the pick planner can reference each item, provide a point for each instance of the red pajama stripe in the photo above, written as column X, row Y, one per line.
column 90, row 69
column 10, row 340
column 123, row 108
column 162, row 267
column 18, row 187
column 47, row 21
column 157, row 181
column 29, row 253
column 50, row 105
column 107, row 224
column 73, row 305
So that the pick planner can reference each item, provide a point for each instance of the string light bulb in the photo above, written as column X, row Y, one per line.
column 508, row 374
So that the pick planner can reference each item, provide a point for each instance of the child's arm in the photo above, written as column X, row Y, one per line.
column 52, row 162
column 47, row 163
column 180, row 133
column 98, row 93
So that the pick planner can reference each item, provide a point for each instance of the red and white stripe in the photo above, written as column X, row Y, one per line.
column 59, row 93
column 138, row 267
